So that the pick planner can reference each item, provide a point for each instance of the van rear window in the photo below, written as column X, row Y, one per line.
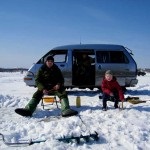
column 111, row 57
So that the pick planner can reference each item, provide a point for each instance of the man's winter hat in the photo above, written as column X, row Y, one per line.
column 109, row 72
column 50, row 58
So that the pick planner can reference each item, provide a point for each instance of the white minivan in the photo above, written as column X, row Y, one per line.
column 105, row 57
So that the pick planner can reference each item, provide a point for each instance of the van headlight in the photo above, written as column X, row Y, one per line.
column 29, row 76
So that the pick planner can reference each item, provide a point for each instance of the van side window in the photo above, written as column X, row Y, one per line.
column 60, row 56
column 117, row 57
column 102, row 56
column 111, row 57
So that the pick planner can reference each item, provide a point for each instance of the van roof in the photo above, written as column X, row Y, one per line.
column 89, row 46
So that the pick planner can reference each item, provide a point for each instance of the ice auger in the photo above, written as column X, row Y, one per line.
column 21, row 143
column 78, row 139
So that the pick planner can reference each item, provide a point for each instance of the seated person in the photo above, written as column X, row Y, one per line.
column 111, row 90
column 49, row 79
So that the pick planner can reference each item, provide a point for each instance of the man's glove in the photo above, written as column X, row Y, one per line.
column 56, row 87
column 45, row 91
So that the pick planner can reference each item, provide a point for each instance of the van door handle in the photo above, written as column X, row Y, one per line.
column 99, row 67
column 62, row 65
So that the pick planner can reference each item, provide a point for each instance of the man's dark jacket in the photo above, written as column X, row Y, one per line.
column 47, row 78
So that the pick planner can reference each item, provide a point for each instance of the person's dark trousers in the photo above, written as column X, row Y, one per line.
column 107, row 97
column 116, row 99
column 37, row 96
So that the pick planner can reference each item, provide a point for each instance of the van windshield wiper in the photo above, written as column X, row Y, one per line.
column 129, row 50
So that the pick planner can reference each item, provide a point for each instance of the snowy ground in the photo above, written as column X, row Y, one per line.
column 128, row 129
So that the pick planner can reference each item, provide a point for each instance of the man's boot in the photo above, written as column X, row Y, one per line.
column 65, row 108
column 104, row 108
column 29, row 108
column 116, row 103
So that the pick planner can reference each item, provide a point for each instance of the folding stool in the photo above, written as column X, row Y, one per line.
column 49, row 100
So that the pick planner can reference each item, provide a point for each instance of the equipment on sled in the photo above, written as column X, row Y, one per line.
column 134, row 100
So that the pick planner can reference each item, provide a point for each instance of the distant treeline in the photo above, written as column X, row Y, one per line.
column 144, row 70
column 13, row 69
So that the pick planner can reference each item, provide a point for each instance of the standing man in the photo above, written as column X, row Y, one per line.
column 84, row 71
column 49, row 79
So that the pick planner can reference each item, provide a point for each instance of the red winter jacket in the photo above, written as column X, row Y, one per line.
column 111, row 87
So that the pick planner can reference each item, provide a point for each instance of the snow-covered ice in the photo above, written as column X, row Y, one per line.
column 127, row 129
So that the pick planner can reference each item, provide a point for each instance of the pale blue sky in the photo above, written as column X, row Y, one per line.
column 30, row 28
